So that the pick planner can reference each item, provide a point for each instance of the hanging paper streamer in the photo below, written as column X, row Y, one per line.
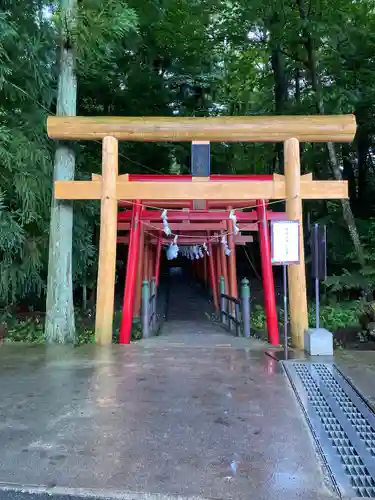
column 225, row 244
column 166, row 228
column 172, row 250
column 193, row 252
column 234, row 219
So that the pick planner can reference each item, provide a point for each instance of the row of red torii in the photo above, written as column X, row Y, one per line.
column 196, row 205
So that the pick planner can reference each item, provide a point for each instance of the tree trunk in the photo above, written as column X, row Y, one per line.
column 280, row 83
column 335, row 167
column 60, row 325
column 297, row 93
column 363, row 143
column 348, row 174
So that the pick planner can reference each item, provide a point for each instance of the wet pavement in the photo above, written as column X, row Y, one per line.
column 148, row 420
column 359, row 368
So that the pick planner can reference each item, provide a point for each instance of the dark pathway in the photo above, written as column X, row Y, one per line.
column 187, row 300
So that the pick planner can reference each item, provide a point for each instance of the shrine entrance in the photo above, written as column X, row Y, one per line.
column 200, row 215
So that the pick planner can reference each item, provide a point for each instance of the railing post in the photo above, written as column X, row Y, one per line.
column 245, row 306
column 222, row 300
column 145, row 309
column 153, row 304
column 230, row 312
column 237, row 316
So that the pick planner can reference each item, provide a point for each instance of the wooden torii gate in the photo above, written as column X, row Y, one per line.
column 291, row 130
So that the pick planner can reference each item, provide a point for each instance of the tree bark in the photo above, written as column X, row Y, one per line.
column 280, row 83
column 363, row 143
column 335, row 167
column 60, row 324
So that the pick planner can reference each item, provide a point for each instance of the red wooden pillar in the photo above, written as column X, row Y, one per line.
column 213, row 279
column 158, row 259
column 131, row 275
column 218, row 270
column 224, row 268
column 151, row 268
column 201, row 270
column 138, row 284
column 232, row 267
column 146, row 260
column 267, row 274
column 205, row 269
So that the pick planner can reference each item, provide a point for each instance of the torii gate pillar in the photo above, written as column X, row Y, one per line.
column 296, row 272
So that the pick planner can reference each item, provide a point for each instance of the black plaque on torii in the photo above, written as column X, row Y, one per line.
column 200, row 166
column 200, row 159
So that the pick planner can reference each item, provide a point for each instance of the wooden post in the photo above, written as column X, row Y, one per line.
column 245, row 307
column 138, row 284
column 296, row 272
column 224, row 267
column 131, row 275
column 267, row 274
column 216, row 250
column 146, row 259
column 107, row 244
column 158, row 259
column 205, row 270
column 232, row 268
column 145, row 309
column 213, row 280
column 151, row 269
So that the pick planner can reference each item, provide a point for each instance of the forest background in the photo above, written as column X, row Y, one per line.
column 187, row 58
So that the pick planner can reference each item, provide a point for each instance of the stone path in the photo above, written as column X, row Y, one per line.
column 190, row 320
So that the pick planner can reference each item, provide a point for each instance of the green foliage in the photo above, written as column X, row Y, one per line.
column 332, row 317
column 184, row 57
column 29, row 328
column 103, row 26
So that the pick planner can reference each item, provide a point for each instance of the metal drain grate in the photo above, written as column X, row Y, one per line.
column 342, row 424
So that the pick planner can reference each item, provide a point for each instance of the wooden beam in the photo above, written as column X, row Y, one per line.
column 315, row 128
column 281, row 177
column 246, row 190
column 188, row 240
column 121, row 177
column 185, row 226
column 107, row 244
column 296, row 272
column 243, row 218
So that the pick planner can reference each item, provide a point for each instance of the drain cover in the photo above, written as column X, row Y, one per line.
column 342, row 424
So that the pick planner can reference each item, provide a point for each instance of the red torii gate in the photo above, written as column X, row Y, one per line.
column 196, row 227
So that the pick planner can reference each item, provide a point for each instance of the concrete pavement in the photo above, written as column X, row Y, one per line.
column 204, row 422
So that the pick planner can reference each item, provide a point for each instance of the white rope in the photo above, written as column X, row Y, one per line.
column 225, row 244
column 166, row 228
column 234, row 219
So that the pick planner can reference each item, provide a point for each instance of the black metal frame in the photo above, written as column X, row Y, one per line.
column 152, row 310
column 227, row 317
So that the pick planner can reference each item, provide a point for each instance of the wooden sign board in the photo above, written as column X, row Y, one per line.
column 285, row 235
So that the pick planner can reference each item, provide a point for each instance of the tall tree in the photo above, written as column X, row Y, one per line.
column 60, row 325
column 309, row 43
